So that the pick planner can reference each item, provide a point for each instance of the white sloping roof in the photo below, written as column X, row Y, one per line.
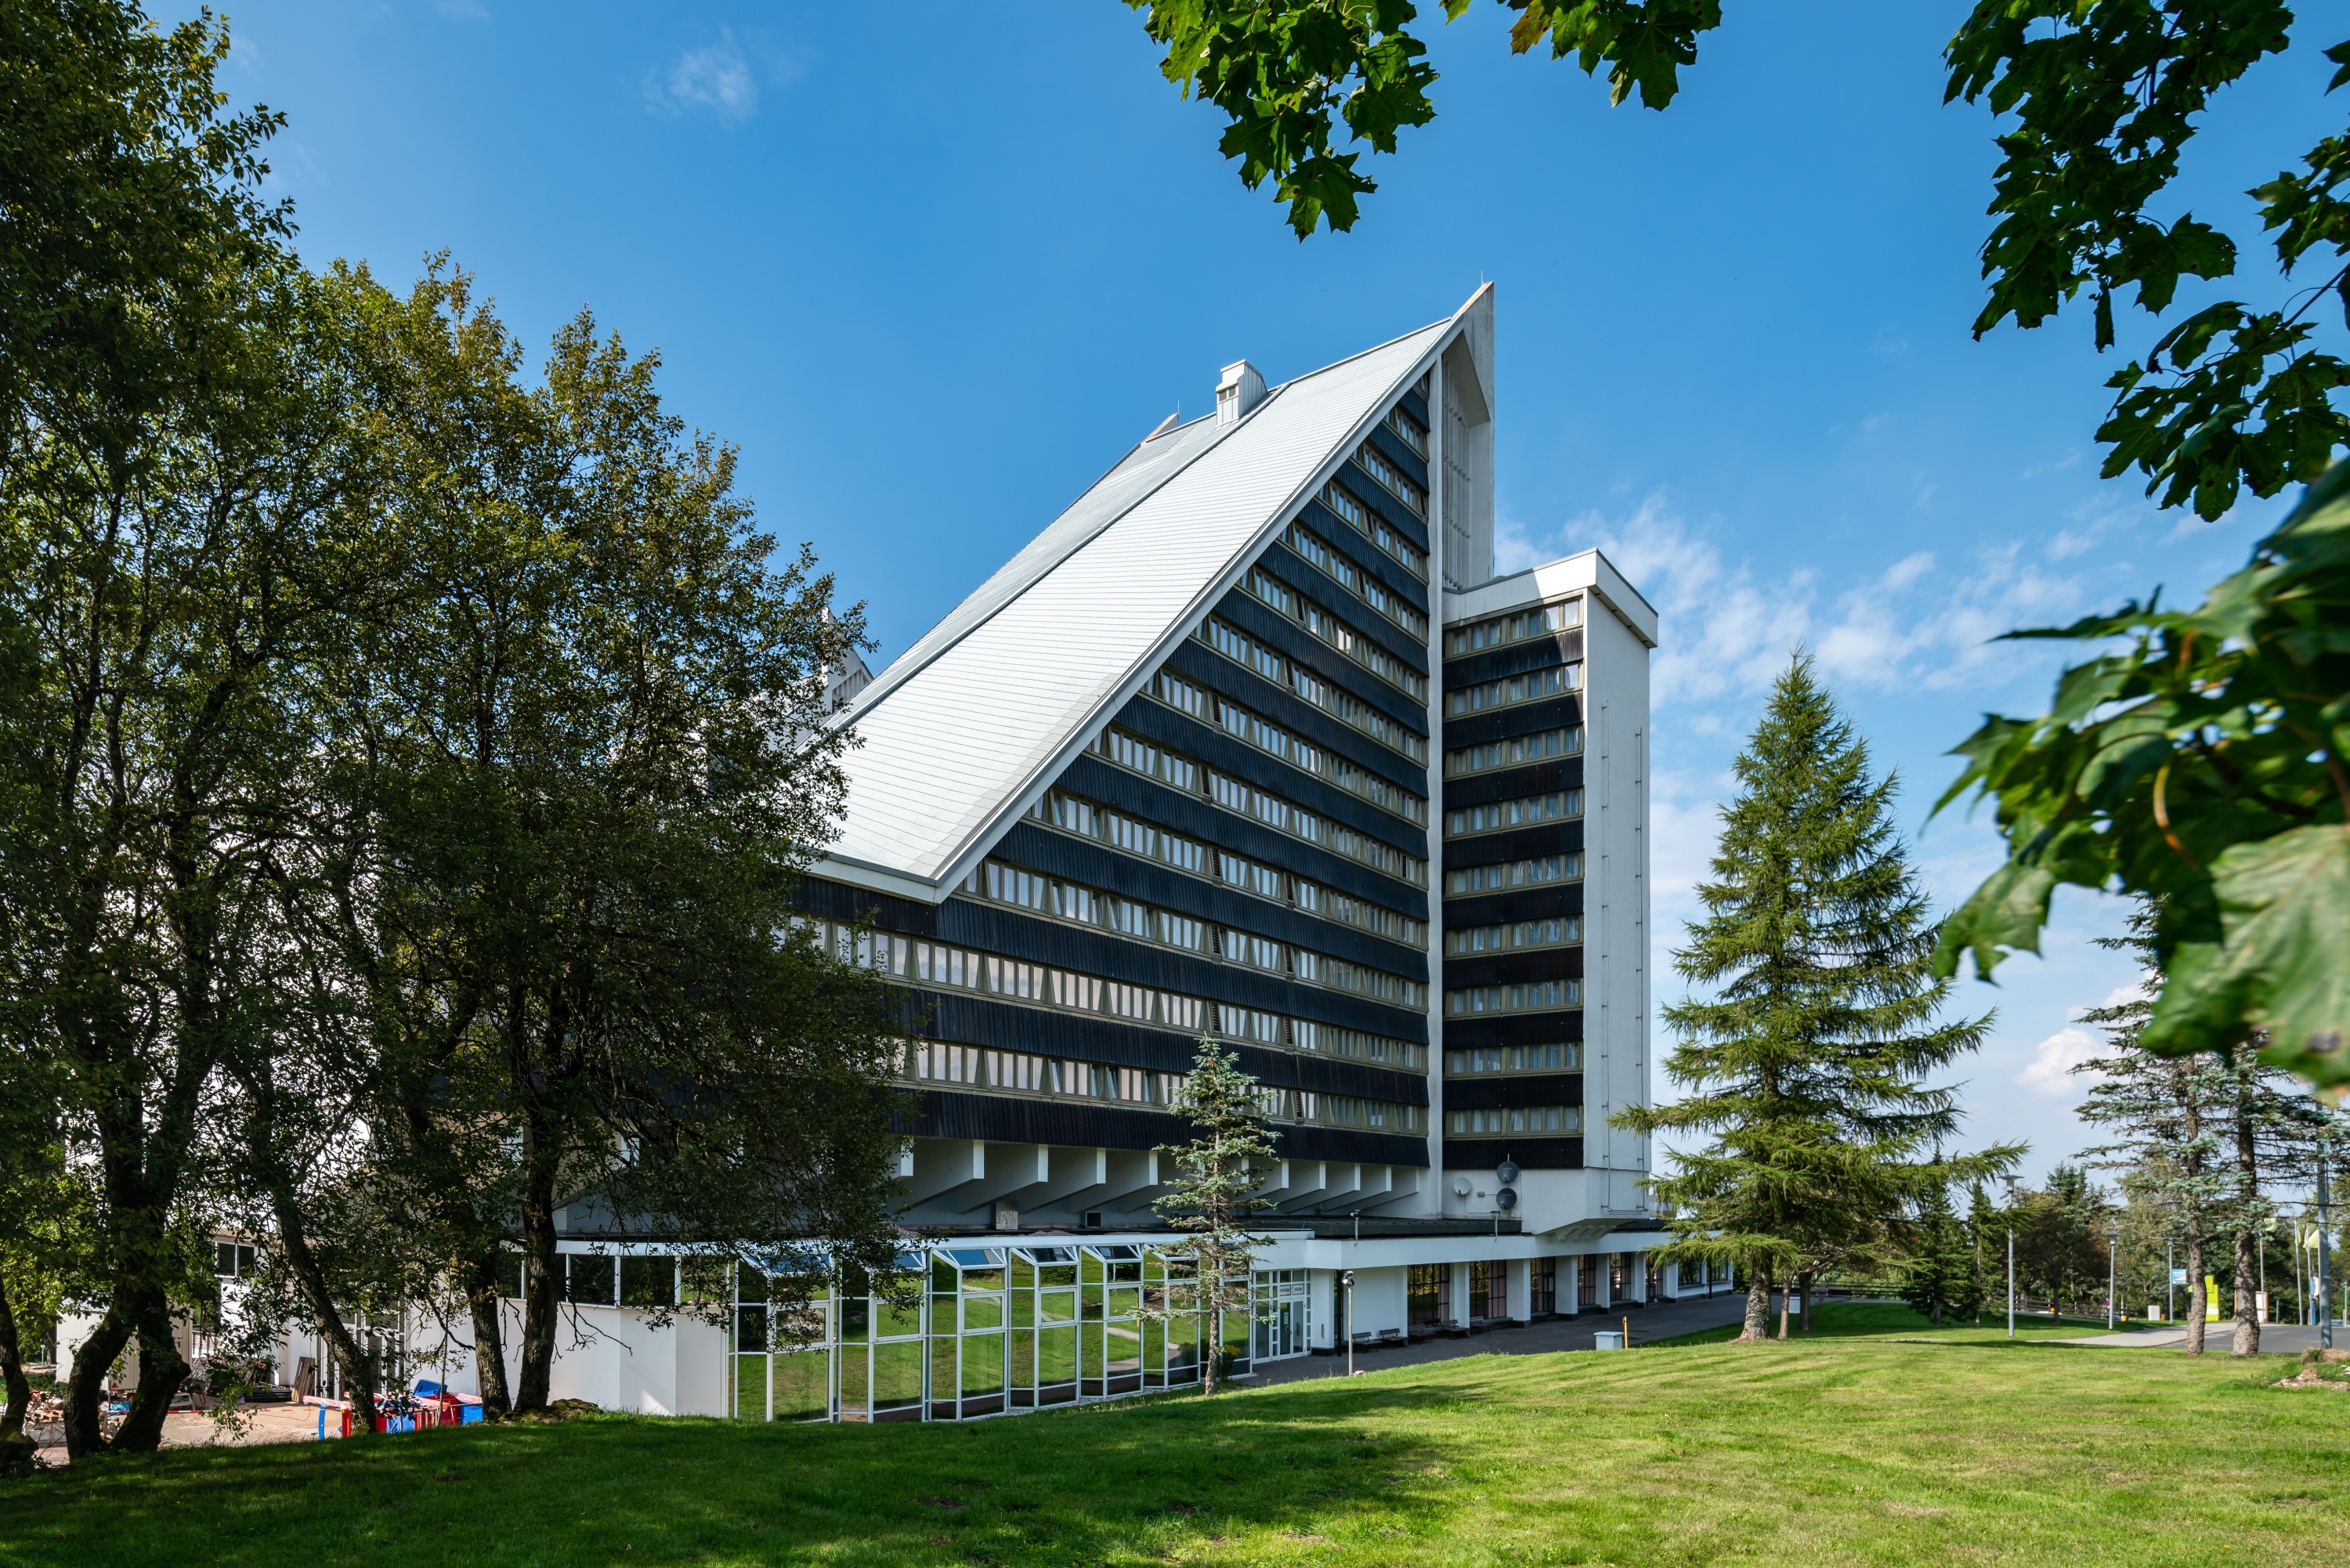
column 962, row 729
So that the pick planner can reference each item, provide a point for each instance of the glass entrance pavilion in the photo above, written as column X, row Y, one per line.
column 996, row 1329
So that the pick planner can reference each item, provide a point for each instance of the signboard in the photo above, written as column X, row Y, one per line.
column 2178, row 1276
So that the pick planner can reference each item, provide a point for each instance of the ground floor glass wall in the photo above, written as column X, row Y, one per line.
column 993, row 1329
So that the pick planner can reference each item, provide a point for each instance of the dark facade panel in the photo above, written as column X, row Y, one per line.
column 1261, row 621
column 1517, row 904
column 965, row 1020
column 1514, row 659
column 1501, row 1092
column 1002, row 1119
column 1510, row 784
column 1195, row 818
column 1412, row 403
column 1514, row 1029
column 1527, row 718
column 1509, row 968
column 1529, row 1153
column 1309, row 579
column 1018, row 935
column 1294, row 713
column 1515, row 844
column 1098, row 866
column 1367, row 557
column 1399, row 452
column 1375, row 495
column 842, row 901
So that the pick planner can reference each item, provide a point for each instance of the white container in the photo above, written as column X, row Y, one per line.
column 1607, row 1339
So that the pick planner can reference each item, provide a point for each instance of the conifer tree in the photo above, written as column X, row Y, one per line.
column 1984, row 1228
column 1940, row 1275
column 1215, row 1186
column 1806, row 1063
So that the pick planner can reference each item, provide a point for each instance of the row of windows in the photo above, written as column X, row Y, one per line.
column 1413, row 433
column 1556, row 806
column 1516, row 1120
column 932, row 1062
column 1369, row 589
column 1017, row 1072
column 1529, row 872
column 1556, row 1058
column 1527, row 687
column 1275, row 741
column 1336, row 700
column 1369, row 523
column 1295, row 605
column 1515, row 752
column 1533, row 996
column 1405, row 488
column 1154, row 760
column 1049, row 894
column 1073, row 813
column 1556, row 932
column 935, row 963
column 1545, row 621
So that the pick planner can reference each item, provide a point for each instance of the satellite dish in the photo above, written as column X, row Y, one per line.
column 1507, row 1198
column 1506, row 1173
column 1460, row 1187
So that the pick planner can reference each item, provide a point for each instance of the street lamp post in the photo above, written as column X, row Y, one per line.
column 2325, row 1263
column 2113, row 1255
column 2011, row 1257
column 1348, row 1277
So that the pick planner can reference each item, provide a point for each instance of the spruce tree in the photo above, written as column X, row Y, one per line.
column 1214, row 1190
column 1939, row 1276
column 1806, row 1062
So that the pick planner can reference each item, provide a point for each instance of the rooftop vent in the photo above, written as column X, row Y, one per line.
column 1241, row 390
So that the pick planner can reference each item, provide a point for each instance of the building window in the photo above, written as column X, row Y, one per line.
column 1547, row 621
column 1542, row 1287
column 1413, row 434
column 1556, row 806
column 1393, row 479
column 1334, row 565
column 1515, row 1120
column 1516, row 751
column 1427, row 1295
column 1529, row 872
column 1565, row 1057
column 1489, row 1289
column 1556, row 932
column 1528, row 687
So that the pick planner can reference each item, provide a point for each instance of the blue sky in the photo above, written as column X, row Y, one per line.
column 933, row 268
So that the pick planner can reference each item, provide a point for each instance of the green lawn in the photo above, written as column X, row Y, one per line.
column 1842, row 1449
column 1851, row 1320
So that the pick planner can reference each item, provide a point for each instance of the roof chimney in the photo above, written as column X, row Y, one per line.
column 1241, row 390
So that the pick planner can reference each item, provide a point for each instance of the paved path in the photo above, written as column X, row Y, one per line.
column 2290, row 1338
column 1661, row 1319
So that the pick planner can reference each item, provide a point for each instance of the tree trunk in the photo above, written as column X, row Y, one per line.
column 20, row 1389
column 2248, row 1197
column 358, row 1367
column 489, row 1337
column 161, row 1370
column 85, row 1389
column 1758, row 1310
column 1783, row 1293
column 2196, row 1297
column 543, row 1284
column 1803, row 1283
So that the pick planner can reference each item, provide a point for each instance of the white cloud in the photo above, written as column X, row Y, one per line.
column 2049, row 1071
column 1889, row 343
column 716, row 76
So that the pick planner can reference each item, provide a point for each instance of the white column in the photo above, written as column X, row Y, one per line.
column 1521, row 1278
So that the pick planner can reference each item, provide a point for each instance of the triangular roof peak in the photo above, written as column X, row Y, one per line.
column 965, row 729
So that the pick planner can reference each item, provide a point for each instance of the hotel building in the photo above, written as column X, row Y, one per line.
column 1251, row 743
